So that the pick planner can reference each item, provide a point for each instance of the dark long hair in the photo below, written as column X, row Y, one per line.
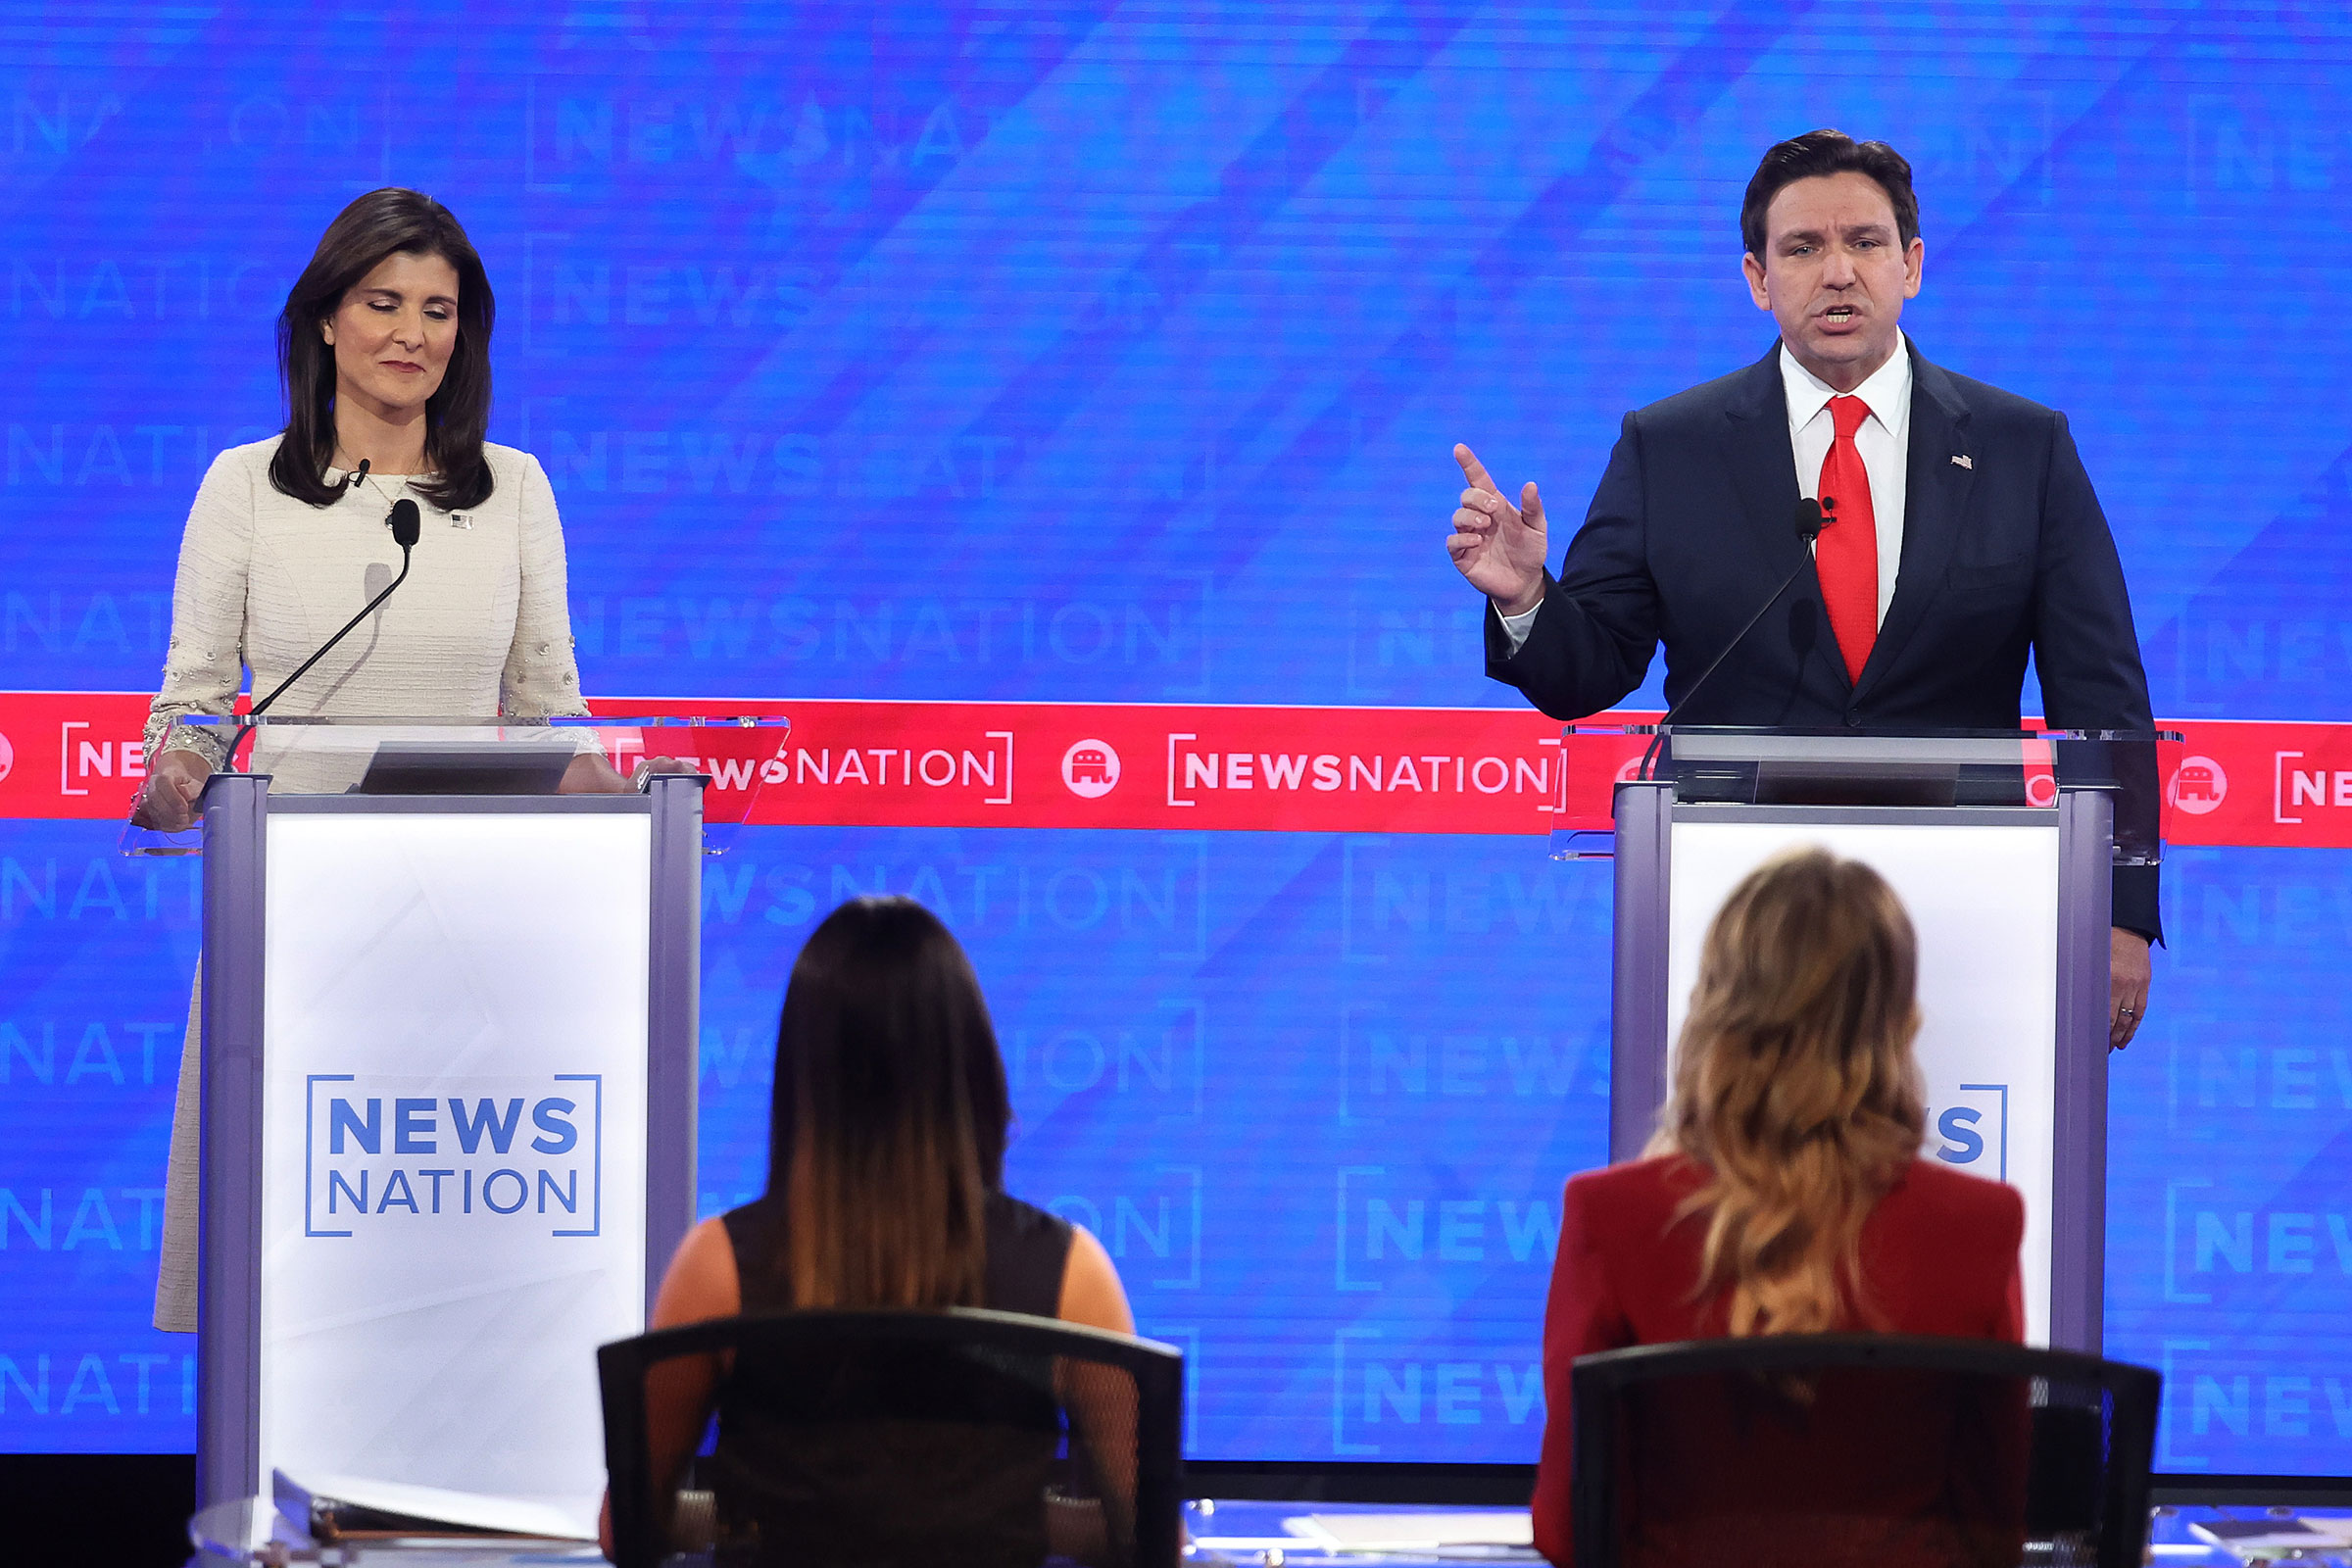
column 886, row 1133
column 385, row 223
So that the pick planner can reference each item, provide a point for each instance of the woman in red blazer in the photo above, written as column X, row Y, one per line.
column 1782, row 1194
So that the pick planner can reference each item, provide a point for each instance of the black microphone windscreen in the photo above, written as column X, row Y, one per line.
column 405, row 524
column 1810, row 520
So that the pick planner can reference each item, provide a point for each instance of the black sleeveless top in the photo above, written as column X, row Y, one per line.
column 1027, row 1250
column 887, row 1459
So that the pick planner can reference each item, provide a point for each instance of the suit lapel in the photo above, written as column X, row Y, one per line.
column 1935, row 501
column 1763, row 463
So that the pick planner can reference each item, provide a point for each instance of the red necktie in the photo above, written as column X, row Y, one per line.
column 1846, row 556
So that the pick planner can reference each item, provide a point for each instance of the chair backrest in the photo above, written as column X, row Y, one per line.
column 885, row 1437
column 1832, row 1449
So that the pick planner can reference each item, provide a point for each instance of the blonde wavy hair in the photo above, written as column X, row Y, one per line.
column 1795, row 1088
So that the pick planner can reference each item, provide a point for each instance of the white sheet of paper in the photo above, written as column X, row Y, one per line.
column 475, row 1510
column 1414, row 1532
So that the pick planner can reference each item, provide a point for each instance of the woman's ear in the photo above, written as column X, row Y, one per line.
column 326, row 330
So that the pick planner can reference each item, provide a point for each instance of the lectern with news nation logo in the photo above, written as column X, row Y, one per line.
column 2002, row 846
column 448, row 1044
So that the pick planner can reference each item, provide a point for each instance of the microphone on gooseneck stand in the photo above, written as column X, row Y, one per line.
column 1809, row 522
column 406, row 525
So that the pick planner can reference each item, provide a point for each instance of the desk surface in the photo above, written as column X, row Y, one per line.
column 1245, row 1534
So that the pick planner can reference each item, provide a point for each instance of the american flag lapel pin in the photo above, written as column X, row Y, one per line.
column 1964, row 461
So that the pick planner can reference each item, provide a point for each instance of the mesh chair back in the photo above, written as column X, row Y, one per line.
column 894, row 1437
column 1833, row 1449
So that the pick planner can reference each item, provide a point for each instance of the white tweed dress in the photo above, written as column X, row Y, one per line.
column 479, row 629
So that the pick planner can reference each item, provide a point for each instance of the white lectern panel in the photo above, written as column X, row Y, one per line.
column 1984, row 902
column 454, row 1166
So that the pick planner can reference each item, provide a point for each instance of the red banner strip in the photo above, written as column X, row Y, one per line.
column 66, row 755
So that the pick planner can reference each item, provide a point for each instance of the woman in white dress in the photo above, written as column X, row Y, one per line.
column 383, row 348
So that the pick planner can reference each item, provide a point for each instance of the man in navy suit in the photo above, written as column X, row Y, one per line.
column 1962, row 532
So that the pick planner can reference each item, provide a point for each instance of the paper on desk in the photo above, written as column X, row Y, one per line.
column 1414, row 1532
column 536, row 1518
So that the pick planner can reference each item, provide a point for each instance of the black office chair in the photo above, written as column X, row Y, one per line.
column 1860, row 1449
column 889, row 1437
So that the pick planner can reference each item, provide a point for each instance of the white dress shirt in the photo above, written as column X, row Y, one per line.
column 1884, row 440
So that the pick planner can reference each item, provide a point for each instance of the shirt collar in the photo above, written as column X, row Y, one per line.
column 1887, row 391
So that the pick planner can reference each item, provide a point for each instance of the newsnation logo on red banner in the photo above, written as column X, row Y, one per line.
column 1148, row 766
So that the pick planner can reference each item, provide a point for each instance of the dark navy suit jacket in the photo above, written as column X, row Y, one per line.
column 1693, row 524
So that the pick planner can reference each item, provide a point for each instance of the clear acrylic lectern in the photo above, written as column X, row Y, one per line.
column 449, row 1042
column 2001, row 845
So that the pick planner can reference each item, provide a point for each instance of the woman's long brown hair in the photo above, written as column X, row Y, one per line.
column 887, row 1128
column 1794, row 1086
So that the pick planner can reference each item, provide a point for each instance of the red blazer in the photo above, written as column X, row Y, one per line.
column 1939, row 1256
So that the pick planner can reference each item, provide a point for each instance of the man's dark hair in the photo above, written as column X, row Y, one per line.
column 1827, row 152
column 381, row 223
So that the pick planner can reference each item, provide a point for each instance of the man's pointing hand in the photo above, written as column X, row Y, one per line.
column 1498, row 547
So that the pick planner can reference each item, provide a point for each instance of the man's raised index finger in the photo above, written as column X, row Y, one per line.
column 1474, row 471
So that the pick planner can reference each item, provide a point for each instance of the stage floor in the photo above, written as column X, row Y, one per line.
column 1297, row 1535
